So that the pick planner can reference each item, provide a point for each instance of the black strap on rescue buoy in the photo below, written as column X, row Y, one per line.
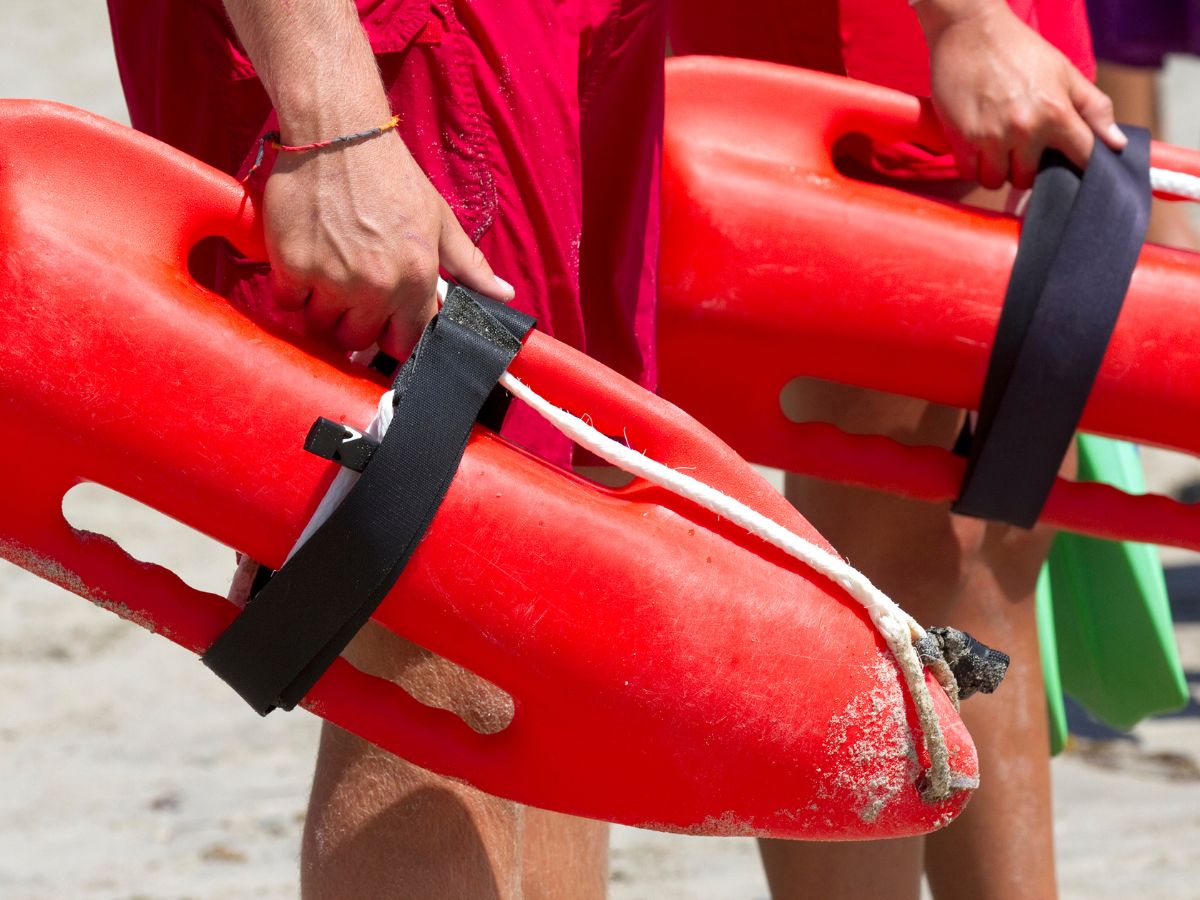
column 1079, row 244
column 306, row 614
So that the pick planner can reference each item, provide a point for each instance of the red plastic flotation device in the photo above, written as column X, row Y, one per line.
column 668, row 669
column 780, row 266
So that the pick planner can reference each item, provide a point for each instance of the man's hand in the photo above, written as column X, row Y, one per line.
column 355, row 233
column 356, row 236
column 1005, row 95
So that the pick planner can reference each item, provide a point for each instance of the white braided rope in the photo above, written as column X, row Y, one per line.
column 1177, row 184
column 898, row 628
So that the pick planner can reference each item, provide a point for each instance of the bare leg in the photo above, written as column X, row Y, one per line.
column 1002, row 845
column 1134, row 93
column 565, row 857
column 379, row 827
column 879, row 870
column 945, row 570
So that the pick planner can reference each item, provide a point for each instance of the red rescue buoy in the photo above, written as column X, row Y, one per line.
column 779, row 265
column 668, row 669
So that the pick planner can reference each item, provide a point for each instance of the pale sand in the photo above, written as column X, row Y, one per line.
column 129, row 771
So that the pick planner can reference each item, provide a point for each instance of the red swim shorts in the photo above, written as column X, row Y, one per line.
column 538, row 120
column 871, row 40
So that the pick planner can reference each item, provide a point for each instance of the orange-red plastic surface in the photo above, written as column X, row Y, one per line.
column 667, row 669
column 776, row 265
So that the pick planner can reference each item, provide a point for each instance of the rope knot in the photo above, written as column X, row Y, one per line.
column 976, row 667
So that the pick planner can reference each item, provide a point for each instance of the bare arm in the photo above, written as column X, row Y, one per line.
column 1005, row 94
column 356, row 233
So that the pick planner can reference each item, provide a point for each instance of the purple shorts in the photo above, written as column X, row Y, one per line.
column 1141, row 32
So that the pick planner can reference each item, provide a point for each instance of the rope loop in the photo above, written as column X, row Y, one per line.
column 899, row 630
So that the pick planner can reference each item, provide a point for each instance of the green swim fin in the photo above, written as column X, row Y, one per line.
column 1104, row 617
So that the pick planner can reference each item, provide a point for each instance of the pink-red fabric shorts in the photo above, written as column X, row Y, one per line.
column 871, row 40
column 538, row 120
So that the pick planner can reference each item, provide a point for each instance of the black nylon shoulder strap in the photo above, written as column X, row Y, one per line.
column 1079, row 245
column 294, row 628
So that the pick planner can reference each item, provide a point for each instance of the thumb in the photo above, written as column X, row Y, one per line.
column 1095, row 108
column 466, row 263
column 290, row 292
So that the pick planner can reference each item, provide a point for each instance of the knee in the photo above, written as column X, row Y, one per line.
column 380, row 827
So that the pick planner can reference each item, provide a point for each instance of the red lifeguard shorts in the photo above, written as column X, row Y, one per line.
column 539, row 121
column 871, row 40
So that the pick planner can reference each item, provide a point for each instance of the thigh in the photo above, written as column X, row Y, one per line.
column 918, row 550
column 945, row 570
column 379, row 826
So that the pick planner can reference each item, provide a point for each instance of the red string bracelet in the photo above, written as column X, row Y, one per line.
column 272, row 138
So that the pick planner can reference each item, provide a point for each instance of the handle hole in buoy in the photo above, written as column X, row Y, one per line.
column 149, row 536
column 430, row 679
column 917, row 170
column 600, row 473
column 865, row 411
column 213, row 260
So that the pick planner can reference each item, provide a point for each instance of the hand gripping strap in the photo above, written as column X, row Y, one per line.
column 1079, row 245
column 294, row 628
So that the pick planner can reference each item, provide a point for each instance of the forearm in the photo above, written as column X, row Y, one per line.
column 936, row 15
column 316, row 63
column 356, row 236
column 1005, row 95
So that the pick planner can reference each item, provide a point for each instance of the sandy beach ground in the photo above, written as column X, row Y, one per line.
column 128, row 771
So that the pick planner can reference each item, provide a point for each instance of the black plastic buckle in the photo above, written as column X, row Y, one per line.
column 341, row 444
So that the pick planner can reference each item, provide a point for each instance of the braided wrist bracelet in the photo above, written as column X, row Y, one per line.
column 272, row 138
